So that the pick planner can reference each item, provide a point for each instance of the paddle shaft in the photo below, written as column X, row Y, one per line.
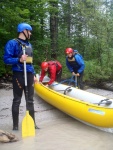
column 25, row 75
column 28, row 126
column 76, row 81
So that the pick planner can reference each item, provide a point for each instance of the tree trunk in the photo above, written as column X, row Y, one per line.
column 54, row 30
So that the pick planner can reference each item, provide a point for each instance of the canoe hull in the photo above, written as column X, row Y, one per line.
column 84, row 111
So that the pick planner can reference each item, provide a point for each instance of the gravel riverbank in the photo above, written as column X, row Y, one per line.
column 57, row 130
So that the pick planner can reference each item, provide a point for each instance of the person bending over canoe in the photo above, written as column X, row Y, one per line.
column 54, row 70
column 75, row 64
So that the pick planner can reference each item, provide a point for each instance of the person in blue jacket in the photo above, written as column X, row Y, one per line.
column 75, row 64
column 14, row 56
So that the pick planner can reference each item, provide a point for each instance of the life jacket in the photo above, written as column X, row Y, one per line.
column 57, row 63
column 72, row 62
column 28, row 51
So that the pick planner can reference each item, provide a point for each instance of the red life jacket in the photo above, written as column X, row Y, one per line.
column 57, row 63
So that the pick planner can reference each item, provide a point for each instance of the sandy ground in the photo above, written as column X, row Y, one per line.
column 57, row 130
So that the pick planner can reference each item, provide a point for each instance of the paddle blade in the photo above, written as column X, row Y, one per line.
column 28, row 126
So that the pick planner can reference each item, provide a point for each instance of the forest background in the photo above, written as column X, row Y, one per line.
column 85, row 25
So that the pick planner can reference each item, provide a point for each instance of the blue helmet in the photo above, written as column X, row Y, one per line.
column 23, row 26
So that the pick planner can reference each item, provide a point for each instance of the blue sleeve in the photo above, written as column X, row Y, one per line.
column 80, row 62
column 68, row 65
column 9, row 53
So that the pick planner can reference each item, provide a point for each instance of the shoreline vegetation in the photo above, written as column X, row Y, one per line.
column 6, row 83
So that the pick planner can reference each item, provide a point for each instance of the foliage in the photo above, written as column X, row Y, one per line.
column 83, row 25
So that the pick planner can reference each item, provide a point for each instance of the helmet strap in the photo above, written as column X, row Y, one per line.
column 25, row 35
column 28, row 35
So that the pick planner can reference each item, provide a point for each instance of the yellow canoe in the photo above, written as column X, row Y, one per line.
column 85, row 106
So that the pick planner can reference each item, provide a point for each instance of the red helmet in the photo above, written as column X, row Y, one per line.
column 68, row 50
column 44, row 65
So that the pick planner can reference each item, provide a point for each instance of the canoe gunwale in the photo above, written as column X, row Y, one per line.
column 73, row 99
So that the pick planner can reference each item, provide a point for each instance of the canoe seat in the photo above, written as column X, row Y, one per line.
column 105, row 102
column 68, row 89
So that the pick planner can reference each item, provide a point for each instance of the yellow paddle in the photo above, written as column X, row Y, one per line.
column 28, row 126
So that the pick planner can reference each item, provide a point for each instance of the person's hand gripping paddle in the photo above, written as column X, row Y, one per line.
column 28, row 126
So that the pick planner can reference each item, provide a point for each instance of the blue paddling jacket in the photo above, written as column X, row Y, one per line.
column 13, row 52
column 75, row 63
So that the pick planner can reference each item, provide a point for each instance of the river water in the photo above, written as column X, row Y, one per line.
column 57, row 130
